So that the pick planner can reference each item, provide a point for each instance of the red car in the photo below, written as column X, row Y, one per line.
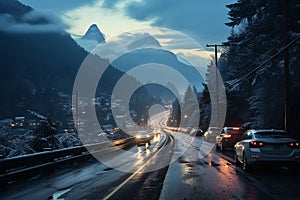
column 228, row 137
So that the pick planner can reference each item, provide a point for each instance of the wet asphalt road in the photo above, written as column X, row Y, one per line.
column 204, row 173
column 86, row 180
column 197, row 171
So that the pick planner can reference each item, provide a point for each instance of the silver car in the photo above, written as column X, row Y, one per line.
column 265, row 147
column 211, row 134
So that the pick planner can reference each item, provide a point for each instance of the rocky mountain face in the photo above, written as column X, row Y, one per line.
column 91, row 38
column 39, row 63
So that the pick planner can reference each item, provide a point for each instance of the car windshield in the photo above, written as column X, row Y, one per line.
column 271, row 135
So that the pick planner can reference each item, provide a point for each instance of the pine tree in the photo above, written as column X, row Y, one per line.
column 257, row 34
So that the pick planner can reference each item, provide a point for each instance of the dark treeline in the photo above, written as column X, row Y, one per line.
column 256, row 94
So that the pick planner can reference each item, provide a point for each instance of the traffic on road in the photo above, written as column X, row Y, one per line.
column 187, row 166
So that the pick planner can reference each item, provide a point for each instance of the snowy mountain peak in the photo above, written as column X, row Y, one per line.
column 93, row 33
column 91, row 38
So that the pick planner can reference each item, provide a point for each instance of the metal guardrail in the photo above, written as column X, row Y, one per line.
column 21, row 166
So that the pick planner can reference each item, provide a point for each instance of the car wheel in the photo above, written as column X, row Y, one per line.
column 246, row 166
column 235, row 159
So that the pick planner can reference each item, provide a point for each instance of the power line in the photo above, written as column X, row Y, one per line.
column 250, row 67
column 265, row 62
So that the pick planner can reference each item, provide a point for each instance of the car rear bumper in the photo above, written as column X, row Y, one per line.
column 228, row 143
column 283, row 163
column 211, row 137
column 260, row 159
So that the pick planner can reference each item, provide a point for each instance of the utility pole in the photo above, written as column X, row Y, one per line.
column 216, row 51
column 217, row 81
column 286, row 66
column 76, row 111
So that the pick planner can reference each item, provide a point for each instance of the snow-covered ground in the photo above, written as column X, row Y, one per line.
column 15, row 142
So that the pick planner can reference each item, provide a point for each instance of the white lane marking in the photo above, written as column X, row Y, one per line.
column 130, row 177
column 59, row 193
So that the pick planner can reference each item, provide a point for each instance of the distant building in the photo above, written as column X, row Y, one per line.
column 33, row 123
column 6, row 122
column 19, row 122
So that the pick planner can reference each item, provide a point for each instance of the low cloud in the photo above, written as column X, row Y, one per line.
column 115, row 47
column 58, row 6
column 31, row 22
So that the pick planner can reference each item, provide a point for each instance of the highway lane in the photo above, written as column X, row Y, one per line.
column 81, row 179
column 148, row 184
column 204, row 173
column 197, row 171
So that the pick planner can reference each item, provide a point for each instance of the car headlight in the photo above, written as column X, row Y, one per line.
column 148, row 136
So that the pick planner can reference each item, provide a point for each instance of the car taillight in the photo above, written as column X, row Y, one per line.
column 227, row 136
column 256, row 144
column 294, row 144
column 236, row 128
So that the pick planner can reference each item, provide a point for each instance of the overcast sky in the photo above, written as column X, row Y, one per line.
column 202, row 20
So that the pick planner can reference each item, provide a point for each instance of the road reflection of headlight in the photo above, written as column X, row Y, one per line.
column 138, row 136
column 148, row 151
column 156, row 138
column 139, row 150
